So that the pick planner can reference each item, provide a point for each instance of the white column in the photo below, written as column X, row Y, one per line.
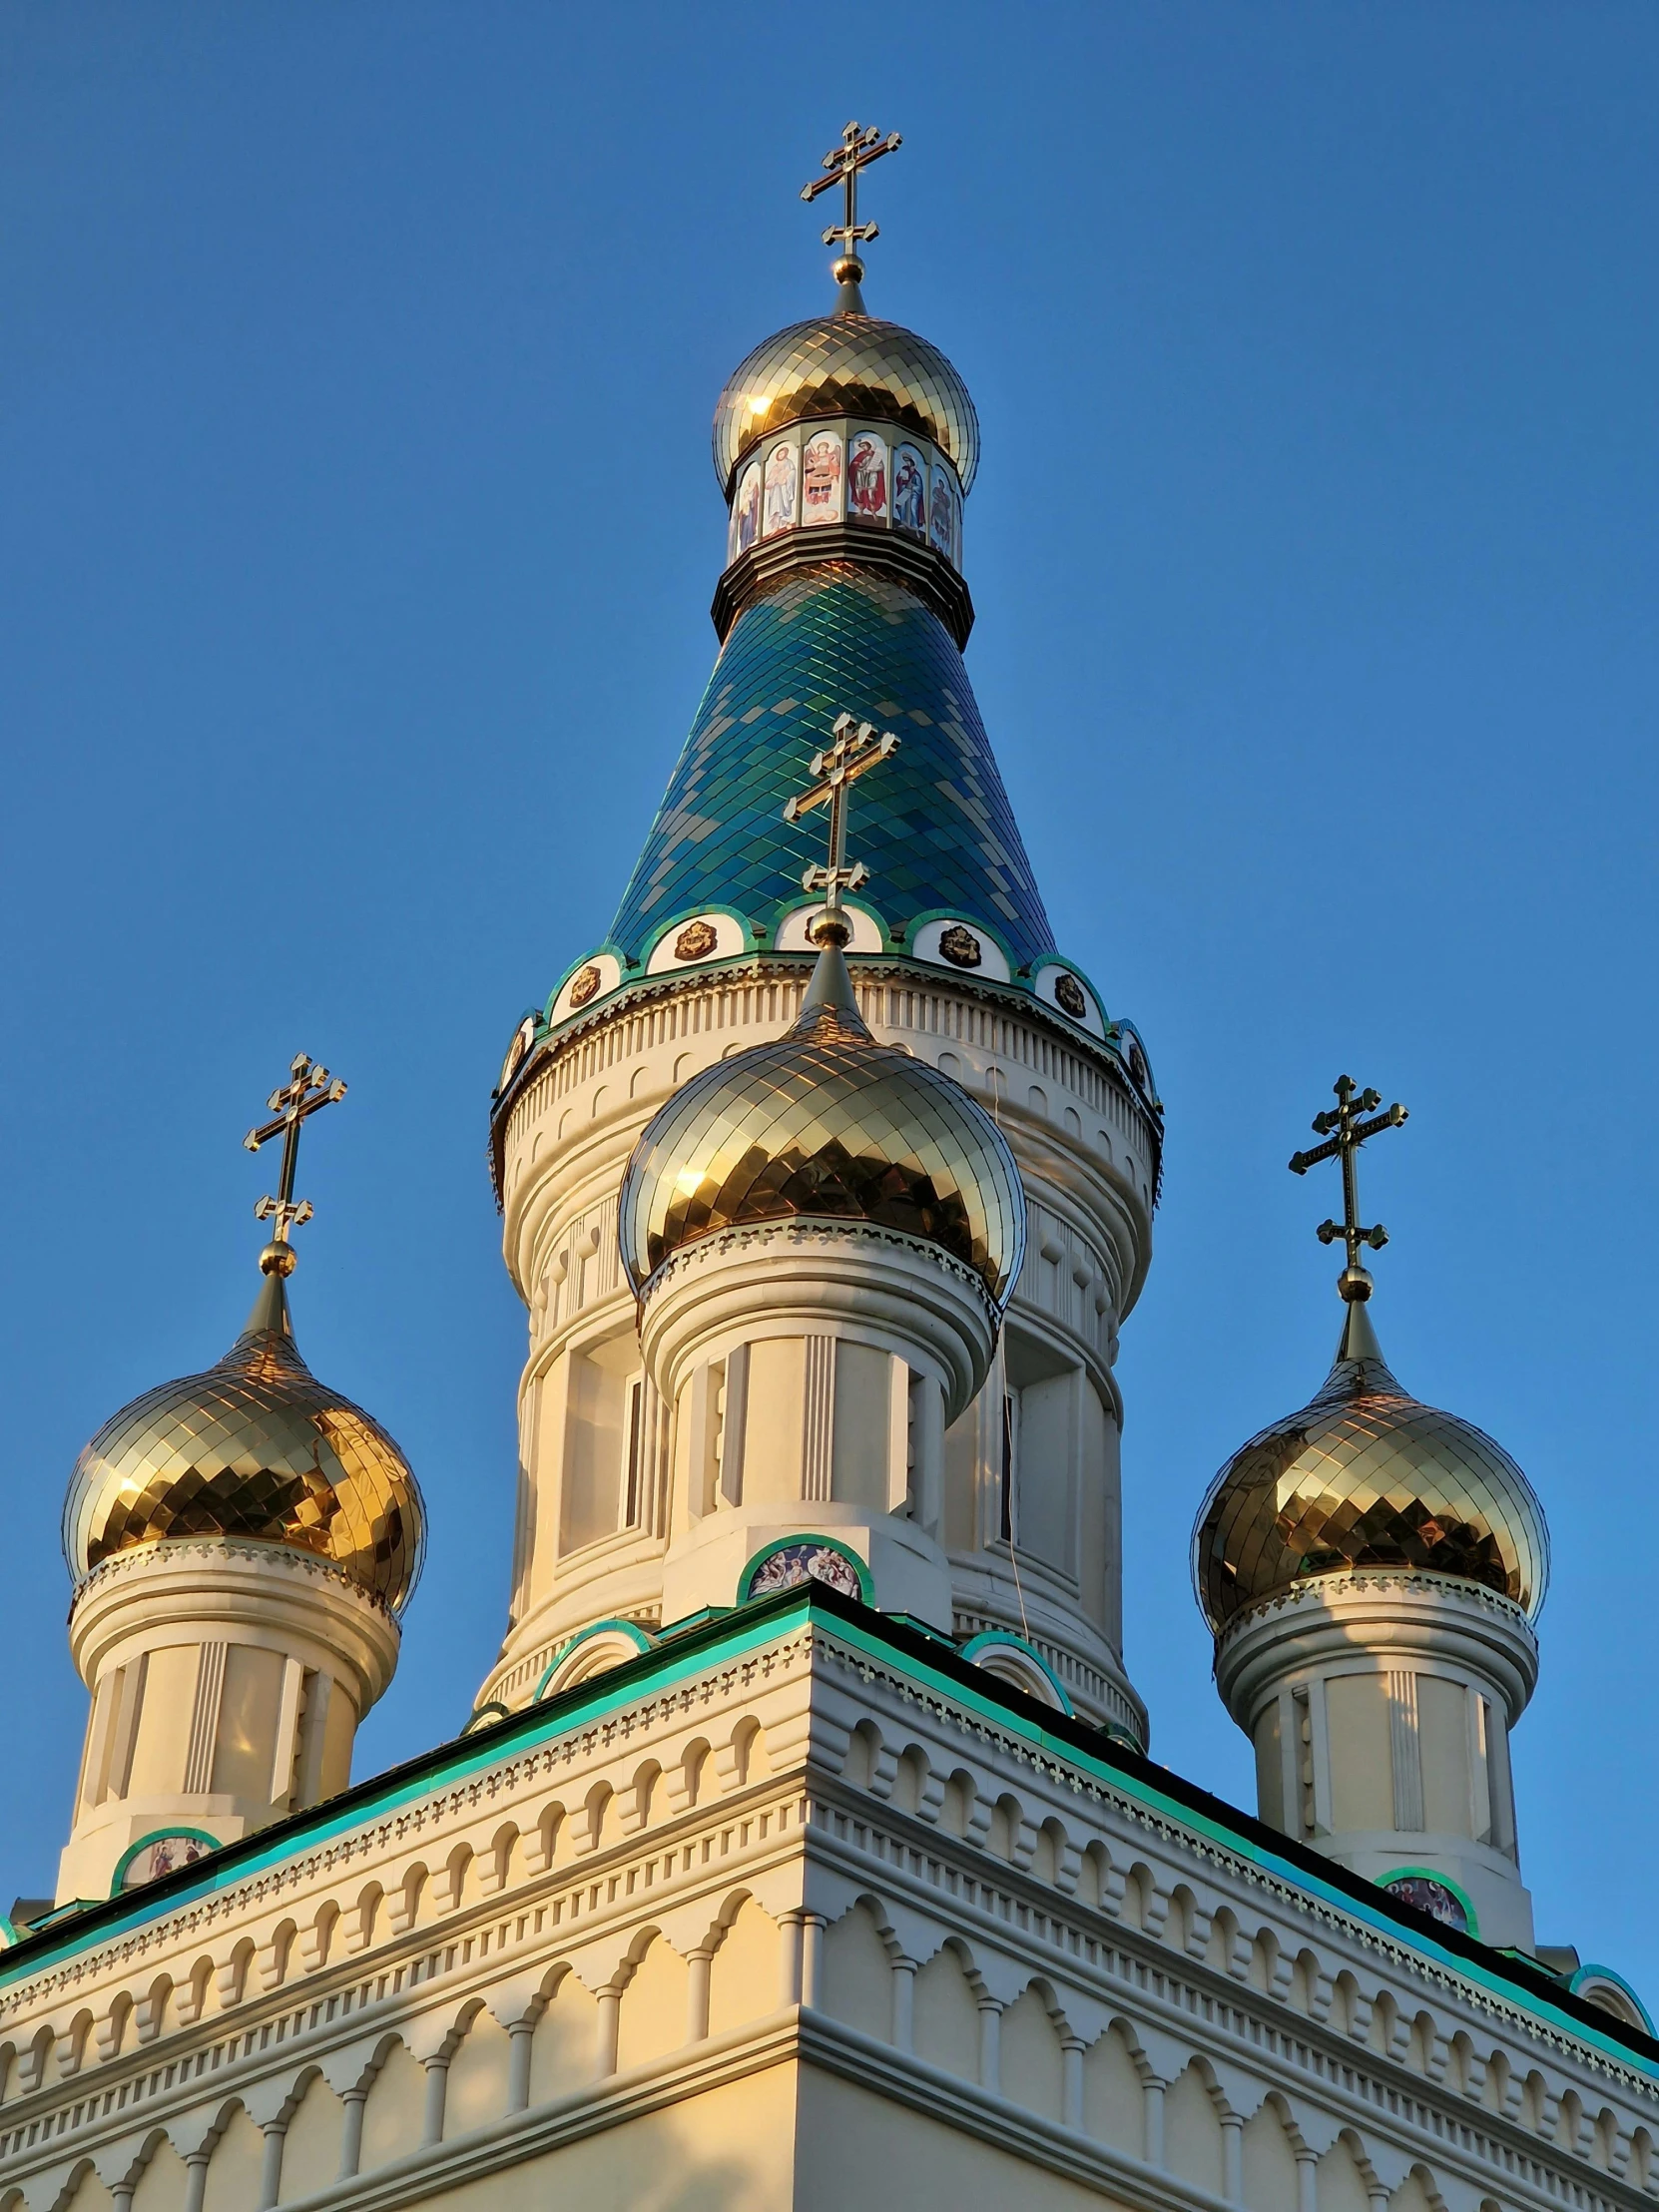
column 699, row 1967
column 1307, row 2182
column 1232, row 2158
column 1152, row 2094
column 789, row 1959
column 812, row 1925
column 904, row 2003
column 270, row 2168
column 520, row 2040
column 195, row 2180
column 437, row 2089
column 990, row 2046
column 610, row 2023
column 351, row 2134
column 1071, row 2081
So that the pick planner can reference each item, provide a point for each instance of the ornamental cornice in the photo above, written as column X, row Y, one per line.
column 1432, row 1589
column 430, row 1814
column 1163, row 1972
column 810, row 1234
column 1187, row 1842
column 640, row 992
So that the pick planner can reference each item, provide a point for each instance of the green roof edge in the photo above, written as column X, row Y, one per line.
column 877, row 1636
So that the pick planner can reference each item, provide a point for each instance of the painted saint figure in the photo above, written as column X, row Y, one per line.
column 909, row 491
column 943, row 515
column 781, row 490
column 867, row 478
column 821, row 479
column 746, row 512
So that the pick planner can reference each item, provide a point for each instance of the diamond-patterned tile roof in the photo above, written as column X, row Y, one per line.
column 932, row 824
column 255, row 1449
column 1366, row 1476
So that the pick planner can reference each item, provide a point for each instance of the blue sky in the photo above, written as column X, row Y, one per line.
column 356, row 371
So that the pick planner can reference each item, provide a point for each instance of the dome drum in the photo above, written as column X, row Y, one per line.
column 1337, row 1620
column 238, row 1593
column 762, row 568
column 849, row 1281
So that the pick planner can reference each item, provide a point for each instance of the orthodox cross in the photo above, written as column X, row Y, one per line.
column 857, row 148
column 856, row 751
column 309, row 1088
column 1346, row 1130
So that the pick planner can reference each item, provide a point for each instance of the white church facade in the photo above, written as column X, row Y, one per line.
column 802, row 1848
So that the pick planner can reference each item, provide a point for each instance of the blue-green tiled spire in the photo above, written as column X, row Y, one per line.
column 934, row 828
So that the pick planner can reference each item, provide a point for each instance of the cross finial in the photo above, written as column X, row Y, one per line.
column 860, row 145
column 857, row 748
column 1346, row 1130
column 309, row 1087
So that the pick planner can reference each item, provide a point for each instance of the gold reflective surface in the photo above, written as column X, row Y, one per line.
column 847, row 365
column 255, row 1449
column 1366, row 1477
column 828, row 1124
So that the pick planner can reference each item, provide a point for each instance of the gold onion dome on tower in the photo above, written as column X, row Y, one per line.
column 826, row 1125
column 256, row 1450
column 1364, row 1477
column 1367, row 1478
column 847, row 365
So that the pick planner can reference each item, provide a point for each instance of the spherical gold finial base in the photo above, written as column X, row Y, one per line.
column 278, row 1259
column 830, row 928
column 849, row 269
column 1356, row 1285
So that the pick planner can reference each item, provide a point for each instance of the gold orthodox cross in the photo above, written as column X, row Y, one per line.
column 309, row 1088
column 857, row 148
column 1346, row 1128
column 856, row 751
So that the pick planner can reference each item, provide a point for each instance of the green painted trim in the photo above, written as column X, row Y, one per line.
column 641, row 1639
column 860, row 1567
column 1590, row 1972
column 157, row 1835
column 485, row 1716
column 1433, row 1874
column 734, row 1635
column 989, row 1639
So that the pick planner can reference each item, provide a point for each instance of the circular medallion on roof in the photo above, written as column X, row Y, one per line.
column 846, row 364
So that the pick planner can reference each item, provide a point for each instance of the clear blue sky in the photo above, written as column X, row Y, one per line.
column 359, row 533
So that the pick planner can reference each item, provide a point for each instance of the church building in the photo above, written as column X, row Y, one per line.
column 802, row 1848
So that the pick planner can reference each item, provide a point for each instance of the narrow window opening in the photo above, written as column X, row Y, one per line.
column 633, row 1487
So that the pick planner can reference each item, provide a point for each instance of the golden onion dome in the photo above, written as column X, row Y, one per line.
column 827, row 1125
column 255, row 1449
column 847, row 365
column 1365, row 1476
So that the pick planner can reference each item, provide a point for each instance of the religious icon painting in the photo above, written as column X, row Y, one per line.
column 782, row 508
column 909, row 491
column 942, row 515
column 867, row 478
column 746, row 512
column 822, row 485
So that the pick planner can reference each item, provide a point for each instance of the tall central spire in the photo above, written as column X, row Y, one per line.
column 845, row 447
